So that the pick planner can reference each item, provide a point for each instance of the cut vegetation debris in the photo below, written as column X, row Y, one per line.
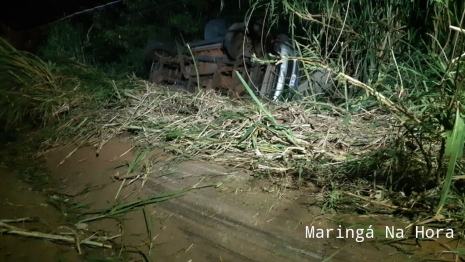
column 311, row 142
column 93, row 241
column 123, row 208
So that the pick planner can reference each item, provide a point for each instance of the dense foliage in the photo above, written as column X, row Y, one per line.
column 115, row 38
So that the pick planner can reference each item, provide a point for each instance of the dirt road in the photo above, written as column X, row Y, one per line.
column 239, row 219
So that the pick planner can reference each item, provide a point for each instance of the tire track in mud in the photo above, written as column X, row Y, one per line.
column 237, row 221
column 219, row 225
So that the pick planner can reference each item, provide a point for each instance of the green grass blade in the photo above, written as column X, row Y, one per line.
column 454, row 149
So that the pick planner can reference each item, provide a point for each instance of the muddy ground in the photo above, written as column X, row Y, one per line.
column 241, row 219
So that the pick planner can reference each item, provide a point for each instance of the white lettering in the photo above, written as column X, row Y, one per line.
column 309, row 234
column 422, row 232
column 317, row 232
column 450, row 233
column 360, row 237
column 350, row 230
column 429, row 233
column 359, row 234
column 328, row 231
column 418, row 232
column 339, row 231
column 370, row 233
column 394, row 232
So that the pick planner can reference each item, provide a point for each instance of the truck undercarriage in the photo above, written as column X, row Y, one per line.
column 208, row 64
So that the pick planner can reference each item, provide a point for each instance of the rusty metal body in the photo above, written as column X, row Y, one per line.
column 208, row 66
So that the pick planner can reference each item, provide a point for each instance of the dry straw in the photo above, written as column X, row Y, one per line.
column 237, row 133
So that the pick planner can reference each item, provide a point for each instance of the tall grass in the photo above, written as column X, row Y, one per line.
column 28, row 87
column 65, row 40
column 403, row 52
column 39, row 91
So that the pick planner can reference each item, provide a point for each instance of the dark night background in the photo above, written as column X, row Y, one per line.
column 117, row 34
column 27, row 14
column 22, row 22
column 20, row 19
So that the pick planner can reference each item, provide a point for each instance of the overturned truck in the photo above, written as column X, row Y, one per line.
column 212, row 63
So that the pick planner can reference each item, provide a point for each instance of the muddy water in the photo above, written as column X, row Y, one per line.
column 240, row 220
